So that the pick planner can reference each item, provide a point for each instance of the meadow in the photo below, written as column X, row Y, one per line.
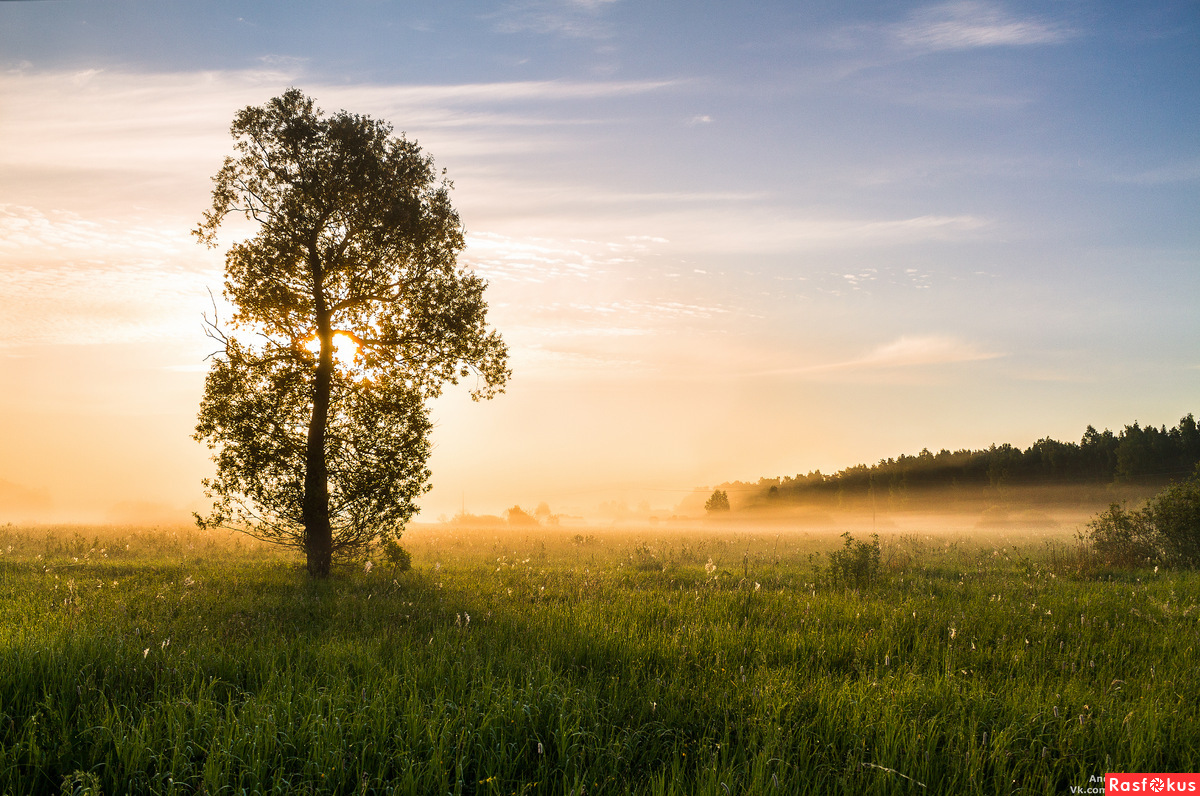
column 656, row 660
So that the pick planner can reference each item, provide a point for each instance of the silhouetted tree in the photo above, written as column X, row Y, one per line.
column 356, row 240
column 717, row 502
column 519, row 516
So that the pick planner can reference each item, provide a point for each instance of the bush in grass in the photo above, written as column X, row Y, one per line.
column 1123, row 538
column 1175, row 515
column 397, row 556
column 857, row 563
column 1166, row 529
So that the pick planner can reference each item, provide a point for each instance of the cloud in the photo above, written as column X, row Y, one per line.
column 969, row 25
column 174, row 123
column 573, row 19
column 920, row 350
column 908, row 351
column 538, row 234
column 75, row 280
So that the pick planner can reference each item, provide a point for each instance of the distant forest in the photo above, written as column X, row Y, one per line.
column 1103, row 464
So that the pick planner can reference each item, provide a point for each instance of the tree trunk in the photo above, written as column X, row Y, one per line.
column 318, row 535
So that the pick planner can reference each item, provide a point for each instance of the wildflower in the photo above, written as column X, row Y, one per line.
column 710, row 567
column 145, row 652
column 367, row 566
column 953, row 632
column 757, row 585
column 539, row 747
column 189, row 581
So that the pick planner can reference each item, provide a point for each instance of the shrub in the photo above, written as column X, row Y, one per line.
column 1175, row 515
column 1123, row 538
column 857, row 563
column 397, row 556
column 1166, row 529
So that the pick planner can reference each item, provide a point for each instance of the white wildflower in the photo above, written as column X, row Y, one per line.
column 367, row 566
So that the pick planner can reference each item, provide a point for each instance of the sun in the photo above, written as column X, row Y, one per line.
column 345, row 351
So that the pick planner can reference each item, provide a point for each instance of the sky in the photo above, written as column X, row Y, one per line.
column 723, row 241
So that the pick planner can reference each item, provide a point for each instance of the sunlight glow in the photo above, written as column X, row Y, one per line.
column 345, row 352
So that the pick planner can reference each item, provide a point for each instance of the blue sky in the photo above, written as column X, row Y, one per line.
column 722, row 241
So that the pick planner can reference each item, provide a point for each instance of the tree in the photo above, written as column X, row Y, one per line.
column 353, row 313
column 717, row 502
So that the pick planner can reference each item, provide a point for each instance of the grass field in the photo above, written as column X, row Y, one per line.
column 584, row 661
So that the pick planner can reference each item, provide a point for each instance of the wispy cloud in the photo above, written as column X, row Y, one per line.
column 97, row 119
column 575, row 19
column 968, row 25
column 908, row 351
column 532, row 259
column 71, row 280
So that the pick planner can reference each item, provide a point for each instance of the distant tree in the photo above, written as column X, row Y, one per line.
column 355, row 244
column 718, row 502
column 519, row 516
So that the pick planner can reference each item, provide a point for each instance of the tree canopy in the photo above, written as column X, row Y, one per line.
column 350, row 313
column 718, row 501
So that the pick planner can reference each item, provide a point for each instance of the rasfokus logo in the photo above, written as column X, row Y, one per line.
column 1152, row 783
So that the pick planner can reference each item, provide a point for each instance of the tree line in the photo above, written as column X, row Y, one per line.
column 1140, row 456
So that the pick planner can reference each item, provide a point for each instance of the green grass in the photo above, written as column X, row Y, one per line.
column 652, row 662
